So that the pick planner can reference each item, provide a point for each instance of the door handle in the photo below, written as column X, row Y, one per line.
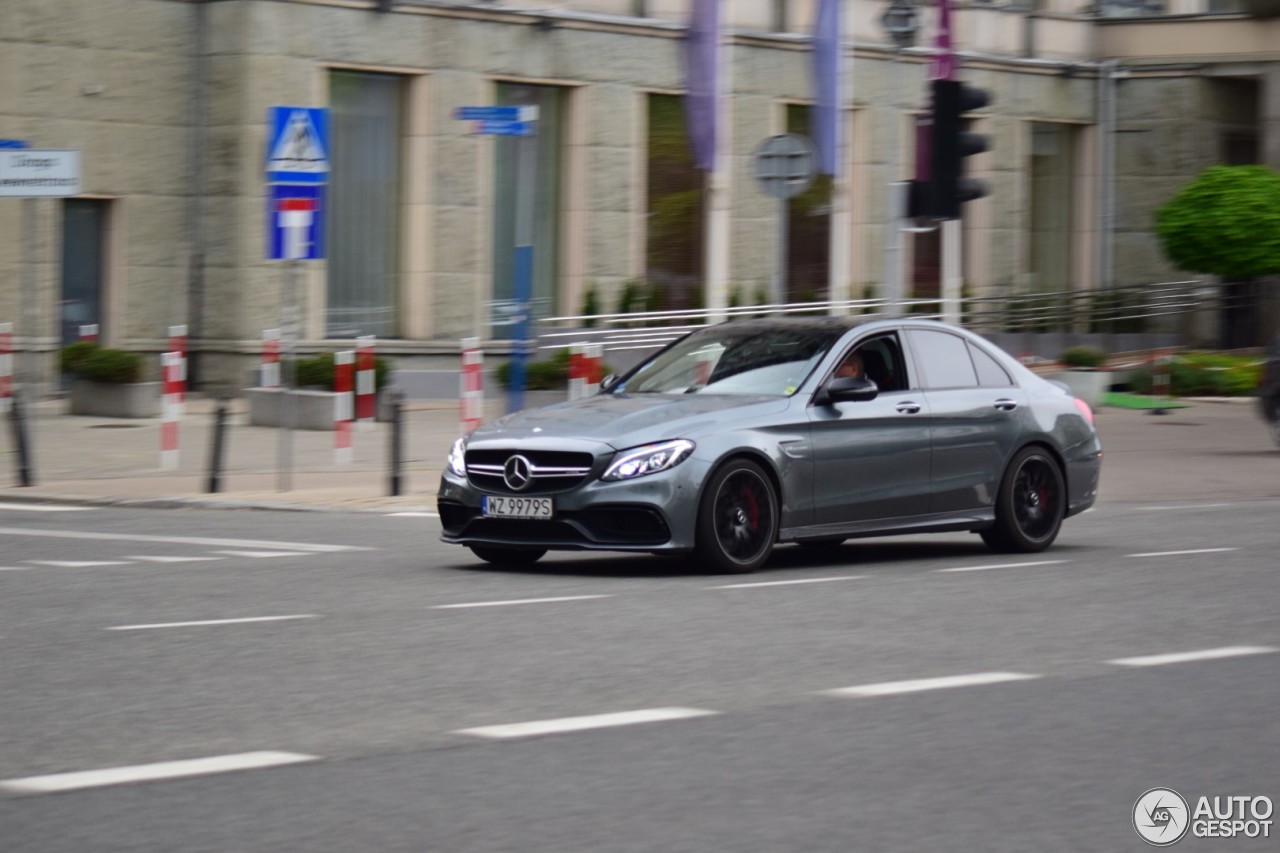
column 1004, row 404
column 908, row 408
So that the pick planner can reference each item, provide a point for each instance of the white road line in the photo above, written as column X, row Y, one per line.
column 77, row 564
column 577, row 724
column 1183, row 553
column 213, row 622
column 890, row 688
column 265, row 554
column 414, row 514
column 152, row 772
column 15, row 568
column 1004, row 566
column 1186, row 657
column 518, row 601
column 175, row 559
column 788, row 583
column 45, row 507
column 180, row 540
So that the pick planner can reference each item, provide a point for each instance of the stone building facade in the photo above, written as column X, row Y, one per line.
column 1099, row 114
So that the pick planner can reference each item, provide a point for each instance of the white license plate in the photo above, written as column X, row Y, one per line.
column 495, row 506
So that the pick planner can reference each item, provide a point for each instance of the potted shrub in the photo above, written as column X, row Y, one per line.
column 312, row 395
column 1085, row 373
column 108, row 383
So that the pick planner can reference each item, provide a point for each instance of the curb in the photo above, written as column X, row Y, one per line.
column 179, row 502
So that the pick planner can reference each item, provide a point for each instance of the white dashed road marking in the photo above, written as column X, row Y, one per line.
column 788, row 583
column 413, row 514
column 265, row 554
column 15, row 568
column 203, row 622
column 45, row 507
column 175, row 559
column 1187, row 657
column 890, row 688
column 577, row 724
column 152, row 772
column 1004, row 566
column 1184, row 553
column 77, row 564
column 180, row 540
column 518, row 601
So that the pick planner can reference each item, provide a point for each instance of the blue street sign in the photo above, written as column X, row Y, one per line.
column 295, row 222
column 14, row 143
column 495, row 113
column 298, row 145
column 504, row 128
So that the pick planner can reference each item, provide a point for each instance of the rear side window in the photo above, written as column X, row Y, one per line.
column 944, row 359
column 990, row 373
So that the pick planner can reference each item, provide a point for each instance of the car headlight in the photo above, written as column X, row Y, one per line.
column 649, row 459
column 457, row 457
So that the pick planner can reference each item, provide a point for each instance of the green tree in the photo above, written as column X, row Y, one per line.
column 1226, row 222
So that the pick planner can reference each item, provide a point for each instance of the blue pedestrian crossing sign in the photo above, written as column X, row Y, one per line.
column 298, row 145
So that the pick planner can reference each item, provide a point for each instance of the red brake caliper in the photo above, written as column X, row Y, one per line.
column 753, row 509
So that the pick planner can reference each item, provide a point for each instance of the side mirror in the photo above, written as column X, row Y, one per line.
column 608, row 382
column 847, row 389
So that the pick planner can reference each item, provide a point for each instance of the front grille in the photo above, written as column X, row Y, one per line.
column 551, row 470
column 598, row 527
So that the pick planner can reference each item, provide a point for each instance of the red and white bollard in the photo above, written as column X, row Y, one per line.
column 471, row 385
column 171, row 411
column 89, row 333
column 595, row 363
column 366, row 388
column 178, row 344
column 577, row 371
column 343, row 405
column 270, row 373
column 6, row 366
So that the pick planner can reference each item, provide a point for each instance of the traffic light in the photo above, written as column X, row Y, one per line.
column 948, row 187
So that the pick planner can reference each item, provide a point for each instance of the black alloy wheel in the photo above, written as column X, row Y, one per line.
column 738, row 518
column 512, row 558
column 1031, row 504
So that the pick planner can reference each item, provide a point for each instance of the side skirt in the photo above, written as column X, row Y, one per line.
column 940, row 523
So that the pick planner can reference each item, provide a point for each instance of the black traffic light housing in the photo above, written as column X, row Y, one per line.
column 948, row 187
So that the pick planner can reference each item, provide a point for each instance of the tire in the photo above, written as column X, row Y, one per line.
column 1030, row 505
column 737, row 519
column 508, row 557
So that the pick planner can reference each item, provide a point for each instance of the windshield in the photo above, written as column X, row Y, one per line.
column 734, row 359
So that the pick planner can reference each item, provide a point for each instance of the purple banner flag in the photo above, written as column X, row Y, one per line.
column 702, row 81
column 943, row 66
column 825, row 124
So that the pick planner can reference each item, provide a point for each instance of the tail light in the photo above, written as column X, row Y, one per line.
column 1085, row 410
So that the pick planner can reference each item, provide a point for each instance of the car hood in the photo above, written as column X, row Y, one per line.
column 627, row 420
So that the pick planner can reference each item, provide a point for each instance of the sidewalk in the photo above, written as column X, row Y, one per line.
column 1211, row 450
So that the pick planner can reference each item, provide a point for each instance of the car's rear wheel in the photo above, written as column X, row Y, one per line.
column 738, row 518
column 1030, row 505
column 508, row 557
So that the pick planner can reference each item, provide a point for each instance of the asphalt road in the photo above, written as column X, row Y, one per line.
column 383, row 669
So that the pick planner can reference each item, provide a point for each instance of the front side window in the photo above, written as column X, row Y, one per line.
column 731, row 359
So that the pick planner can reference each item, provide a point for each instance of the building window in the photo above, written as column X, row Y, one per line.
column 545, row 184
column 84, row 229
column 674, row 237
column 808, row 227
column 366, row 129
column 1052, row 220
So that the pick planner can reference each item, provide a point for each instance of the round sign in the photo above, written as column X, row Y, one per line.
column 785, row 165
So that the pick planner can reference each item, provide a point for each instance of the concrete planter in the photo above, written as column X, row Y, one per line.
column 109, row 400
column 313, row 409
column 1089, row 385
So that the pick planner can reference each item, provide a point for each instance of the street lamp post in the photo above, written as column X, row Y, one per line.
column 902, row 22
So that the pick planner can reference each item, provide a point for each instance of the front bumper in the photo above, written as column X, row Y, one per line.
column 653, row 513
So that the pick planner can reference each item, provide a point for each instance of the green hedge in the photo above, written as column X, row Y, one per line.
column 318, row 371
column 546, row 375
column 1083, row 357
column 1205, row 375
column 86, row 360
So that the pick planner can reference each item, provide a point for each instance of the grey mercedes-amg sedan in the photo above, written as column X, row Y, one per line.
column 750, row 433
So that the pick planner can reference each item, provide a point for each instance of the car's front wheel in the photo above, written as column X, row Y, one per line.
column 1030, row 505
column 738, row 518
column 508, row 557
